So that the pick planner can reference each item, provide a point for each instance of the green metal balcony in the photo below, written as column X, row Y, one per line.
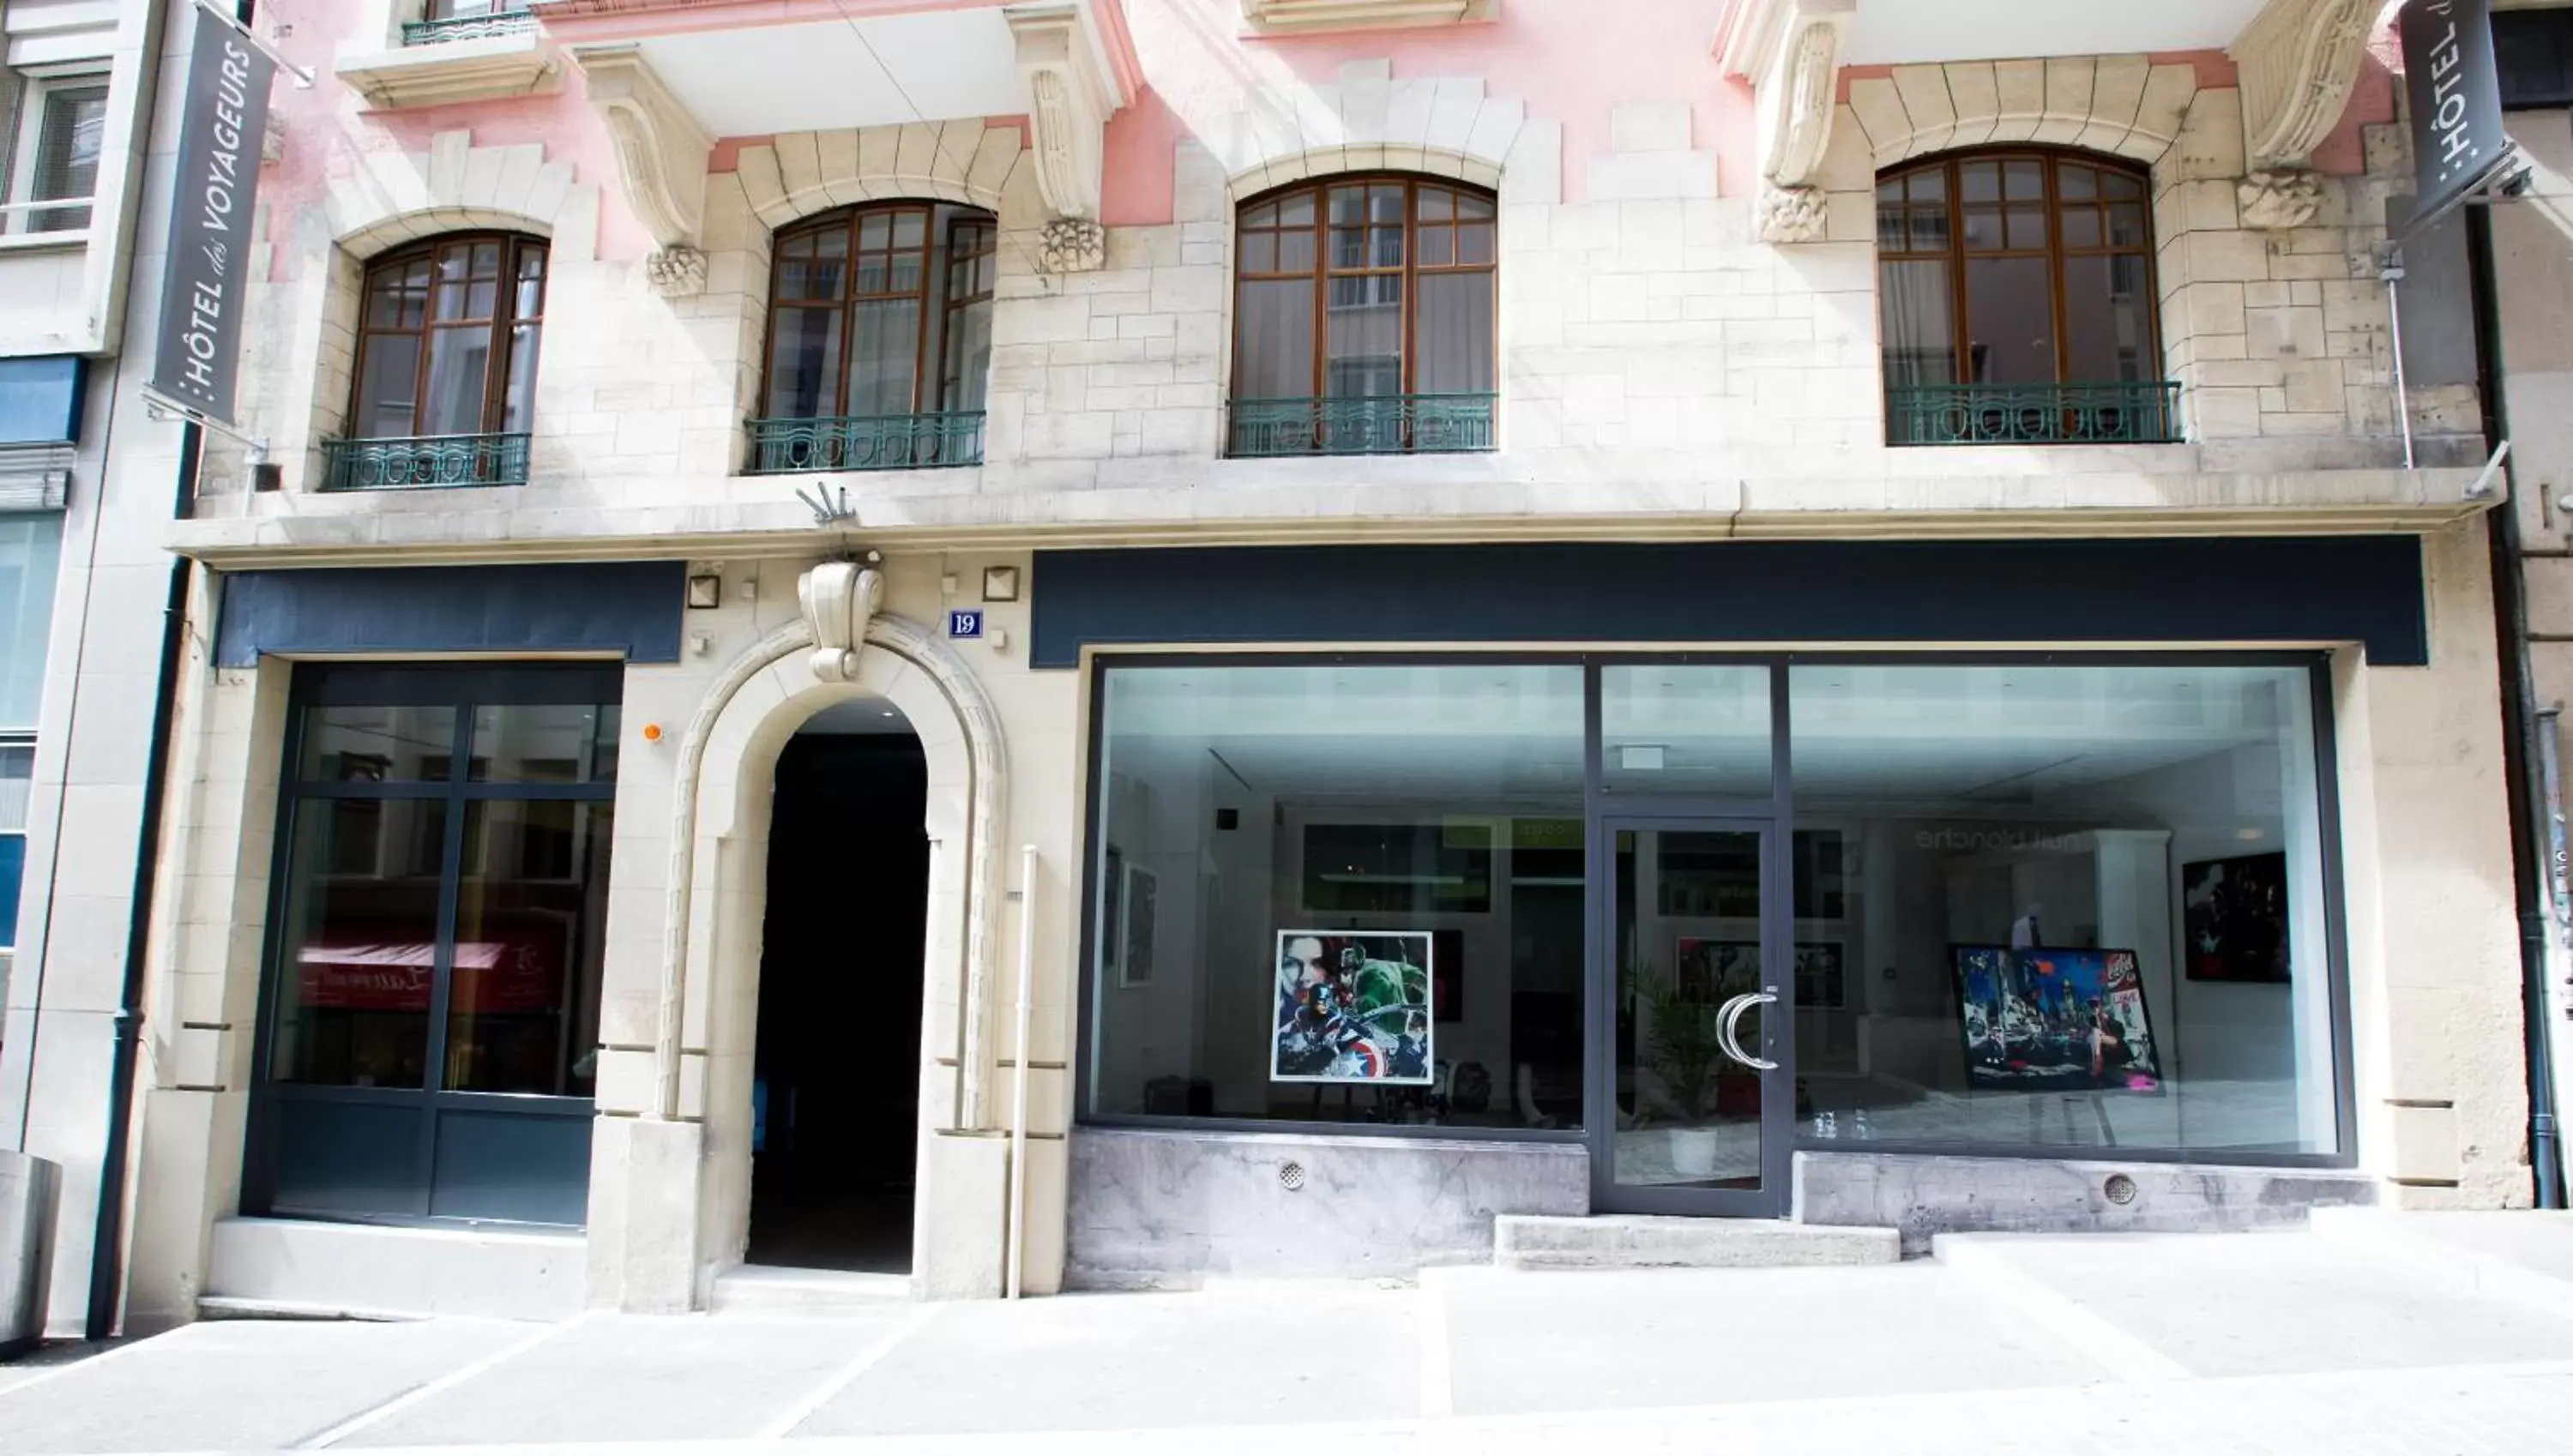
column 467, row 27
column 424, row 461
column 1373, row 424
column 2141, row 411
column 867, row 442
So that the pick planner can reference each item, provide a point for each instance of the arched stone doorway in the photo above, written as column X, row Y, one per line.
column 684, row 1185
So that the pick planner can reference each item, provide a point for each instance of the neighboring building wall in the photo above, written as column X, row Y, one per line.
column 65, row 292
column 94, row 734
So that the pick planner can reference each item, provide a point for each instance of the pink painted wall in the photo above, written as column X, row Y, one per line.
column 1569, row 60
column 329, row 132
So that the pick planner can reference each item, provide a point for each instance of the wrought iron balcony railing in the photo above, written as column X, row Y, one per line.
column 425, row 461
column 468, row 27
column 2141, row 411
column 1375, row 425
column 867, row 442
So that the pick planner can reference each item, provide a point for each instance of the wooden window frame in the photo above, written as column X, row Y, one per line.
column 504, row 321
column 1323, row 273
column 2055, row 252
column 954, row 304
column 935, row 257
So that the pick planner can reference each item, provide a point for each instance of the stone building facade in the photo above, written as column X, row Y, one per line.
column 2146, row 618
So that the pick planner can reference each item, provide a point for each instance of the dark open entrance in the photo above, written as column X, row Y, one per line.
column 838, row 1061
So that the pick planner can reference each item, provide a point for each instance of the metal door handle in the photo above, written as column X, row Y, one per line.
column 1729, row 1029
column 1724, row 1025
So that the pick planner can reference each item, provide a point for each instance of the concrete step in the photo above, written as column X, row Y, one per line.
column 821, row 1293
column 1637, row 1242
column 288, row 1267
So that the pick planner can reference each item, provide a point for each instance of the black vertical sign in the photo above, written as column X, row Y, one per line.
column 221, row 120
column 2455, row 94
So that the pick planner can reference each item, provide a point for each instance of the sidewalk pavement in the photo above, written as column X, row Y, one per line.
column 2368, row 1334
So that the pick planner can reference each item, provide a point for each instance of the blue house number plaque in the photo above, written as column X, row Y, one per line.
column 965, row 624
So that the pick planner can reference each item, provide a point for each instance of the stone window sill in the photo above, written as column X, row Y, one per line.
column 44, row 241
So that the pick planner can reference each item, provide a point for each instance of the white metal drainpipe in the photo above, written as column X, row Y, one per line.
column 1018, row 1077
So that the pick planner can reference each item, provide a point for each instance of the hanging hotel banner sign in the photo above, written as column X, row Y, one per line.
column 2454, row 88
column 223, row 116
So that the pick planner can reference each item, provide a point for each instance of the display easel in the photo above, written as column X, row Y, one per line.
column 2099, row 1113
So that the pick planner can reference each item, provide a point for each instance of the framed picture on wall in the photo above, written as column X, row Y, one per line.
column 2235, row 914
column 1140, row 920
column 1355, row 1005
column 2039, row 1019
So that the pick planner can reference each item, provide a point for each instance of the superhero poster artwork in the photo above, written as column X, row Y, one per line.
column 1353, row 1007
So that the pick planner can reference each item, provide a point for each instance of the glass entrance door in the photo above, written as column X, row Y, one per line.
column 1699, row 1039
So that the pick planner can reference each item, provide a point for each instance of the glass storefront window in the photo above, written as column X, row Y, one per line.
column 31, row 548
column 371, row 744
column 2022, row 906
column 442, row 933
column 2063, row 907
column 1339, row 893
column 546, row 743
column 1681, row 729
column 530, row 946
column 360, row 951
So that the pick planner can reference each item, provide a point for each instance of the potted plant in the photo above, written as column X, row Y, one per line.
column 1678, row 1033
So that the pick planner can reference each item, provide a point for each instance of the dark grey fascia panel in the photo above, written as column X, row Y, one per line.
column 2087, row 592
column 631, row 609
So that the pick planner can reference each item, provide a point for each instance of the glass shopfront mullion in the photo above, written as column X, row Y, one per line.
column 441, row 985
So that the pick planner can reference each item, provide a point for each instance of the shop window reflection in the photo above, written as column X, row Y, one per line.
column 2022, row 937
column 1279, row 849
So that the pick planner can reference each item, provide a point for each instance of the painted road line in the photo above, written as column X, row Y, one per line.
column 2126, row 1357
column 847, row 1375
column 1438, row 1358
column 443, row 1383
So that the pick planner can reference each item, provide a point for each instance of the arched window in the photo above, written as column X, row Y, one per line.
column 879, row 341
column 2017, row 292
column 447, row 366
column 1364, row 319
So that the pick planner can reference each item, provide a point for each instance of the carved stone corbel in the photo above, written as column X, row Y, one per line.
column 1790, row 49
column 838, row 598
column 660, row 160
column 2299, row 60
column 2287, row 197
column 1069, row 102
